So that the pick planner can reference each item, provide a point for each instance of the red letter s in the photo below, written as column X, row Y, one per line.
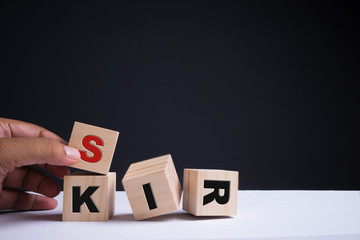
column 95, row 150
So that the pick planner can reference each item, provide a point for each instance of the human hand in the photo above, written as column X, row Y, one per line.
column 21, row 145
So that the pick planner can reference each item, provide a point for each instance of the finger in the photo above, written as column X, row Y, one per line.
column 30, row 179
column 18, row 152
column 57, row 171
column 15, row 128
column 19, row 200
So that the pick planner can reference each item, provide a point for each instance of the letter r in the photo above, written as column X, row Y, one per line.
column 215, row 195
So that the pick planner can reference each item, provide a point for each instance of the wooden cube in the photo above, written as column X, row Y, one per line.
column 152, row 187
column 89, row 197
column 96, row 146
column 210, row 192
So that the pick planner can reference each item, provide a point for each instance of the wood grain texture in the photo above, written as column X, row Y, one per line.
column 103, row 197
column 194, row 192
column 109, row 137
column 160, row 174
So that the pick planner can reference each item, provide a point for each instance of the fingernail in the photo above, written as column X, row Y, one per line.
column 72, row 153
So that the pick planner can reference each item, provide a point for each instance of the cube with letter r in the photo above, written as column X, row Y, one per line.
column 210, row 192
column 96, row 146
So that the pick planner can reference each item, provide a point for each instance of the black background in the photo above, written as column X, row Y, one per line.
column 269, row 89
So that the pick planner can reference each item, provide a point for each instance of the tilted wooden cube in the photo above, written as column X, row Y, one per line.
column 89, row 197
column 152, row 187
column 96, row 145
column 210, row 192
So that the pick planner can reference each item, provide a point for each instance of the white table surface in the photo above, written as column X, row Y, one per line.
column 296, row 215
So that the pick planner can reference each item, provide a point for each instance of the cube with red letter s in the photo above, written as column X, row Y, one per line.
column 96, row 146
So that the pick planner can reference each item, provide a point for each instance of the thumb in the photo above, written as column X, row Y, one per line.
column 18, row 152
